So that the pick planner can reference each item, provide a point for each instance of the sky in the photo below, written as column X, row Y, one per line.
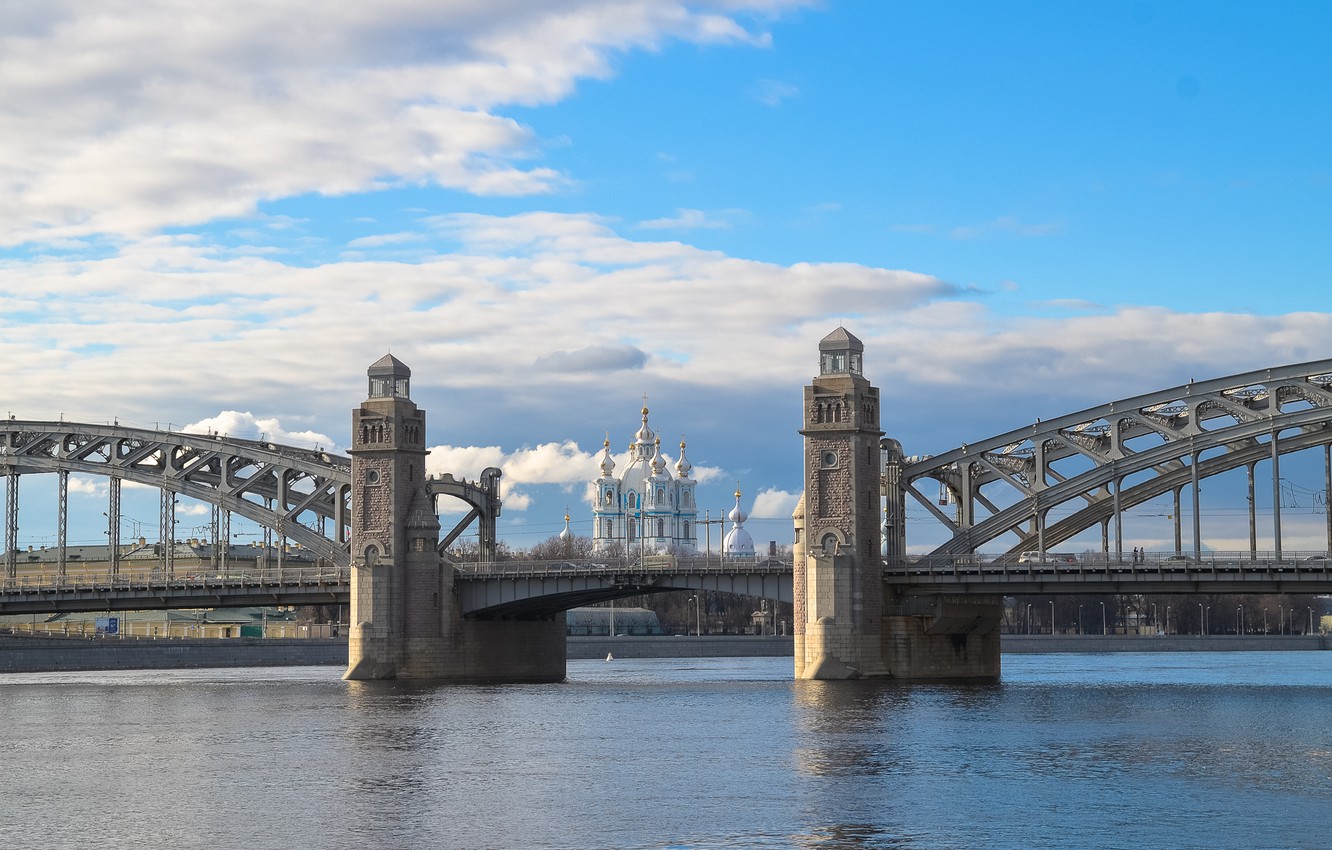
column 219, row 216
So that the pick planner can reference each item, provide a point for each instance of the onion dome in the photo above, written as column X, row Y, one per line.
column 683, row 466
column 567, row 533
column 645, row 435
column 658, row 462
column 738, row 543
column 607, row 463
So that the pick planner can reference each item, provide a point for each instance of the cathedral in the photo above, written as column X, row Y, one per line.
column 648, row 505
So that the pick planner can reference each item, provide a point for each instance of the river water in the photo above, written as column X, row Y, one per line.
column 1188, row 750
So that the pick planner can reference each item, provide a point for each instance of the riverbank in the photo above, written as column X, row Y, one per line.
column 36, row 654
column 1163, row 643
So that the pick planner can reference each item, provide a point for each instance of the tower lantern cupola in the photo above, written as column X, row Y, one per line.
column 389, row 378
column 840, row 353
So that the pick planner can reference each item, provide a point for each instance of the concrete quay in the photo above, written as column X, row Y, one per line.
column 1163, row 643
column 52, row 654
column 61, row 654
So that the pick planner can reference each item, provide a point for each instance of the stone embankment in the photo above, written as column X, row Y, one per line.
column 1164, row 643
column 37, row 654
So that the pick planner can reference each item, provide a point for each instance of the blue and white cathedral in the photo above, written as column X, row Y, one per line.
column 650, row 505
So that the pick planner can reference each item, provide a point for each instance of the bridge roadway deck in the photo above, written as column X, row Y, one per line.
column 508, row 589
column 1215, row 572
column 86, row 592
column 522, row 589
column 495, row 590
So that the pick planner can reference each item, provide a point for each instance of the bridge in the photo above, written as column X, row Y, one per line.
column 498, row 590
column 1021, row 494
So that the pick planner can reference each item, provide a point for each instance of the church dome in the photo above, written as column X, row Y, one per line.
column 607, row 462
column 738, row 543
column 683, row 466
column 645, row 435
column 658, row 462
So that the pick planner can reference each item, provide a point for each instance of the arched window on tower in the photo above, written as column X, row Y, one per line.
column 661, row 528
column 633, row 500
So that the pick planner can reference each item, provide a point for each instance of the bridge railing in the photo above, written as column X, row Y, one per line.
column 1100, row 565
column 658, row 565
column 302, row 576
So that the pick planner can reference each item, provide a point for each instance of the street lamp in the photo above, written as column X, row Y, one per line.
column 1079, row 619
column 1103, row 631
column 1156, row 624
column 1028, row 618
column 1052, row 618
column 1311, row 621
column 1264, row 621
column 1200, row 619
column 1239, row 620
column 1167, row 622
column 698, row 626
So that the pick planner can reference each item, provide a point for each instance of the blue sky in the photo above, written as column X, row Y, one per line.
column 549, row 208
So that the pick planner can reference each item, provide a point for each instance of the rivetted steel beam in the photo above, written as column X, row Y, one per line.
column 62, row 520
column 113, row 524
column 1236, row 409
column 212, row 469
column 11, row 523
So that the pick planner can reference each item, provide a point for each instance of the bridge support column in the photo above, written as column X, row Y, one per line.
column 406, row 617
column 847, row 625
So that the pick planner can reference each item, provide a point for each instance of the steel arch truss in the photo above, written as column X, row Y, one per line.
column 295, row 492
column 1163, row 441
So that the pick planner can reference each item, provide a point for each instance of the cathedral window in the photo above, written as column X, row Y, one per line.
column 633, row 529
column 661, row 528
column 686, row 530
column 633, row 501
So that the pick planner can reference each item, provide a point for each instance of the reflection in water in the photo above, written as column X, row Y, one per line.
column 1180, row 751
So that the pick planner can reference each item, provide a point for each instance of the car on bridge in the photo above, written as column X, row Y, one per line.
column 1035, row 557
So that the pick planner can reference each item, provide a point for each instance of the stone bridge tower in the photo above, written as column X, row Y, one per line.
column 848, row 623
column 406, row 619
column 839, row 579
column 402, row 588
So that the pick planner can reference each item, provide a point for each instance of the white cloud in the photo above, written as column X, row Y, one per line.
column 686, row 220
column 381, row 239
column 773, row 92
column 1006, row 225
column 247, row 426
column 175, row 112
column 774, row 504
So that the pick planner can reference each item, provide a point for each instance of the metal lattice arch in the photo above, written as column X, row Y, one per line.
column 303, row 495
column 1099, row 462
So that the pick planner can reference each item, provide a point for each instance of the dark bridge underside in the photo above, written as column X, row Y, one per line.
column 545, row 607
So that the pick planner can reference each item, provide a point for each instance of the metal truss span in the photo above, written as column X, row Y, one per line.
column 1112, row 457
column 295, row 492
column 304, row 495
